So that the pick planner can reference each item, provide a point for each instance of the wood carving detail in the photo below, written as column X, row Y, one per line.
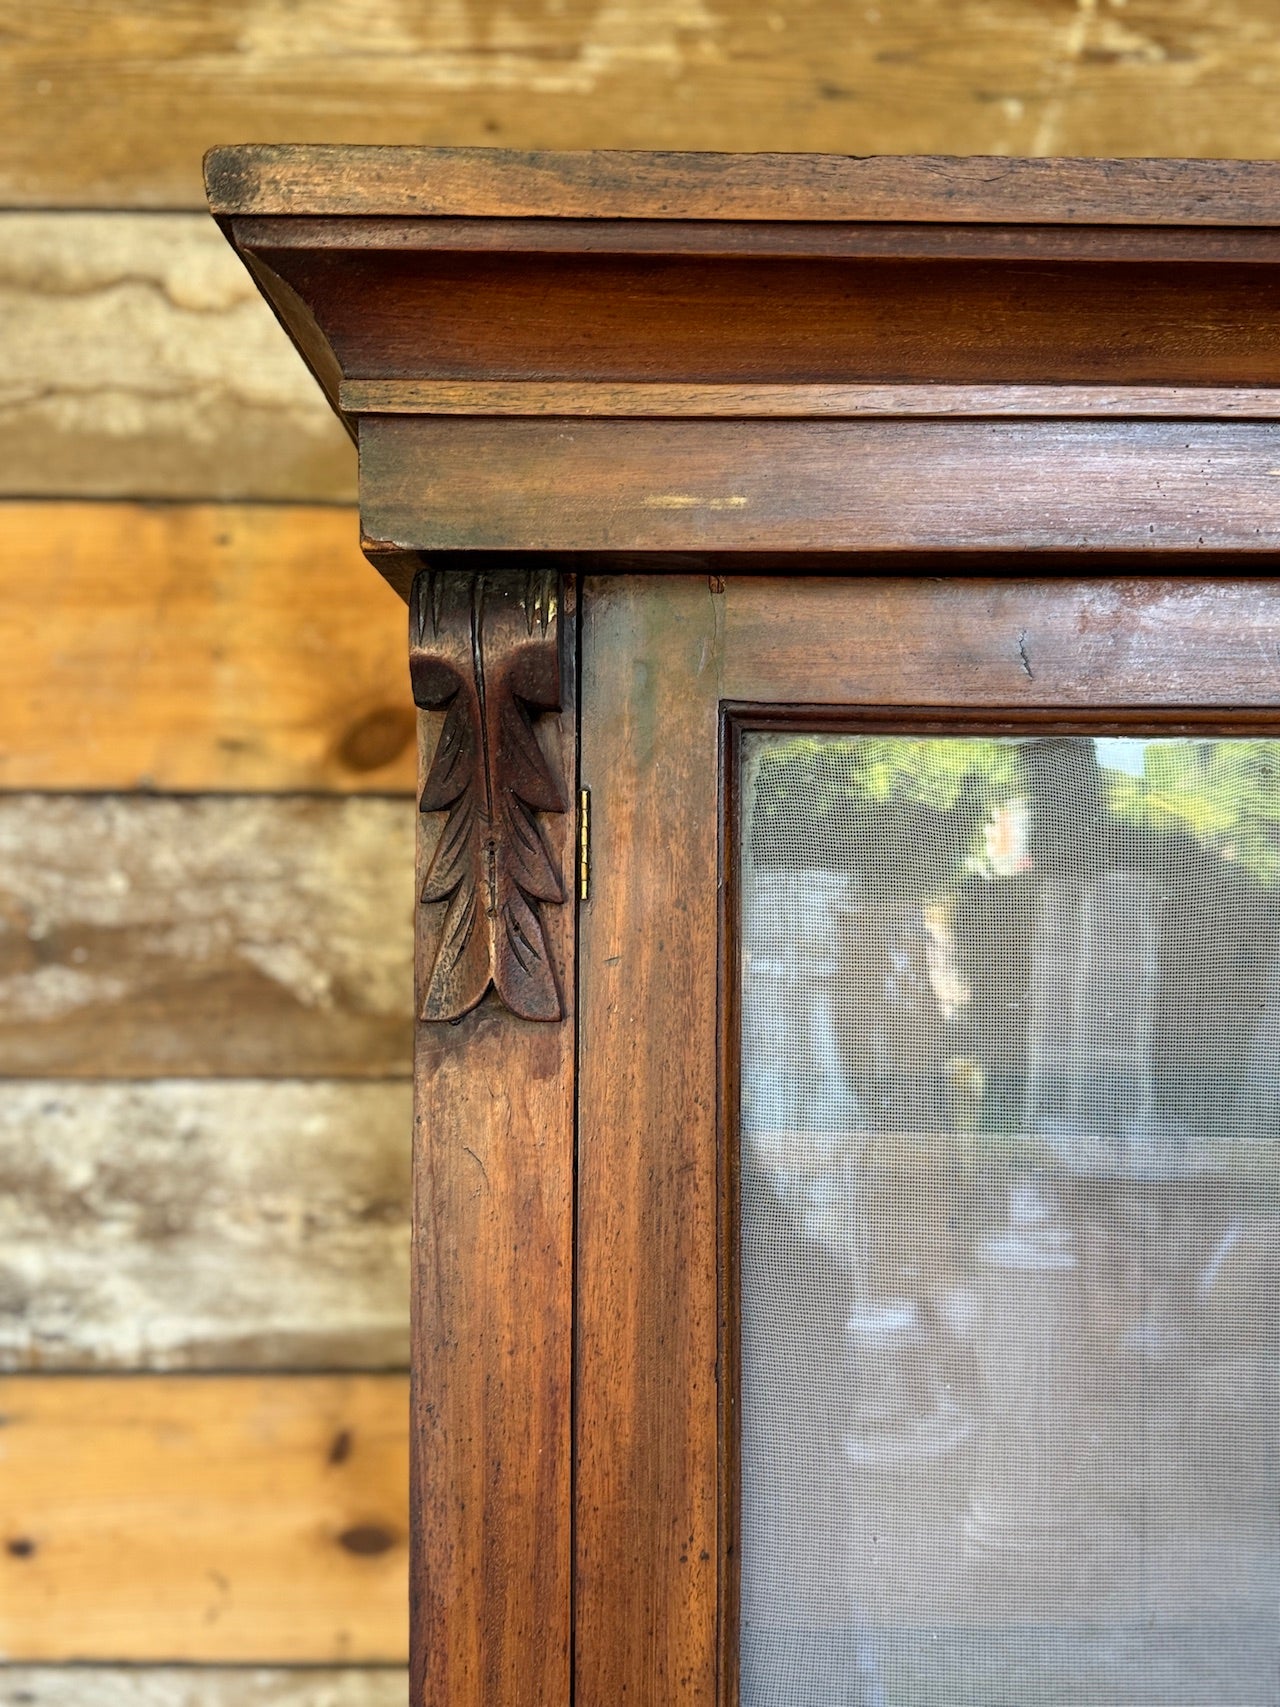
column 484, row 649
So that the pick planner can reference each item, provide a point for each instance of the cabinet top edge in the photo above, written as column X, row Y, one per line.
column 495, row 183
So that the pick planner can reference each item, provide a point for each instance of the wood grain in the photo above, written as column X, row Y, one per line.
column 200, row 648
column 485, row 653
column 640, row 400
column 249, row 1519
column 493, row 1310
column 823, row 486
column 112, row 104
column 1017, row 644
column 140, row 362
column 774, row 319
column 205, row 1686
column 660, row 659
column 648, row 1536
column 505, row 184
column 183, row 1224
column 226, row 936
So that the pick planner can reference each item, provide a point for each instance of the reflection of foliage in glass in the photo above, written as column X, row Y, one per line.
column 908, row 812
column 924, row 804
column 935, row 772
column 1224, row 794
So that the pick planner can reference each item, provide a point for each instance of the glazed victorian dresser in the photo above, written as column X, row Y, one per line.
column 842, row 608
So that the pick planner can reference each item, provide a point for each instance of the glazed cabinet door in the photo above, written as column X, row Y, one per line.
column 928, row 1190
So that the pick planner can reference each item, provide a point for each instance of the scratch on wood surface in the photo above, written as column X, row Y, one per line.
column 689, row 501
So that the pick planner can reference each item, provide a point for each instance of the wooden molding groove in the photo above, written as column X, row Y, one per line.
column 484, row 649
column 804, row 402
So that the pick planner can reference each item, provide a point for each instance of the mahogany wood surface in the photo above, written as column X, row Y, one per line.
column 648, row 1528
column 662, row 664
column 887, row 240
column 605, row 184
column 485, row 650
column 828, row 486
column 401, row 314
column 611, row 354
column 642, row 400
column 492, row 1293
column 628, row 365
column 1016, row 643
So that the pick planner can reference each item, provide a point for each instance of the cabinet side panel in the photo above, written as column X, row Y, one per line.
column 492, row 1308
column 648, row 1548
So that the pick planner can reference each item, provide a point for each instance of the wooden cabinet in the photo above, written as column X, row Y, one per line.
column 841, row 616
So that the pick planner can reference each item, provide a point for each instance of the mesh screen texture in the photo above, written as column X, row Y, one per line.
column 1010, row 1222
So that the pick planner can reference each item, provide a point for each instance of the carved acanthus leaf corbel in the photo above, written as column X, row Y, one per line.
column 484, row 649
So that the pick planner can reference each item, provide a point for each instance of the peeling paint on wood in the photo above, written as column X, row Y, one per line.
column 113, row 105
column 140, row 362
column 188, row 1224
column 211, row 1686
column 190, row 937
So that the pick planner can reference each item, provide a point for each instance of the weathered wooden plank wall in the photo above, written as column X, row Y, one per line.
column 200, row 1686
column 205, row 735
column 290, row 673
column 258, row 1518
column 120, row 101
column 140, row 362
column 203, row 1224
column 269, row 936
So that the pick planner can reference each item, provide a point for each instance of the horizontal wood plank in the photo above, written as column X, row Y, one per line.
column 140, row 362
column 820, row 486
column 200, row 1686
column 187, row 1224
column 250, row 1519
column 199, row 648
column 231, row 936
column 1006, row 645
column 109, row 103
column 513, row 184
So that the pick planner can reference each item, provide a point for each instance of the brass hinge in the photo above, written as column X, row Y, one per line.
column 584, row 844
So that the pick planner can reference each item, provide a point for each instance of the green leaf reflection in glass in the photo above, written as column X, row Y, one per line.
column 1224, row 794
column 919, row 808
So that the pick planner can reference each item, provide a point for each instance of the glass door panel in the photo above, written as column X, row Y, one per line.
column 1009, row 1221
